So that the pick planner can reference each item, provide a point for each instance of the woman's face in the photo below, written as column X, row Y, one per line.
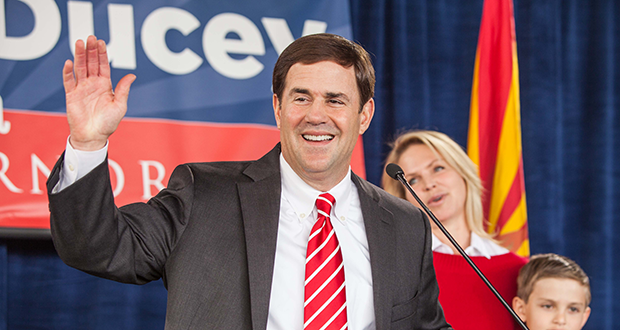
column 437, row 184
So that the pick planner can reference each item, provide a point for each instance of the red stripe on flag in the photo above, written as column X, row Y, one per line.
column 495, row 74
column 512, row 199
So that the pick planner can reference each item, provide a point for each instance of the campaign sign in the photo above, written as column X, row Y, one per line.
column 203, row 88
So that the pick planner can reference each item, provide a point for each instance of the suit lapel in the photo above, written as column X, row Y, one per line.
column 381, row 244
column 260, row 206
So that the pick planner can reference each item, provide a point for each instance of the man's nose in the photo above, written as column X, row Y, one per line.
column 317, row 113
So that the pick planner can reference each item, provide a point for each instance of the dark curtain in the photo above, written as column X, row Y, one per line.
column 424, row 55
column 569, row 68
column 39, row 292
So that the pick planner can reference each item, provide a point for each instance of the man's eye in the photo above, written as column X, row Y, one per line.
column 336, row 102
column 546, row 306
column 413, row 181
column 574, row 309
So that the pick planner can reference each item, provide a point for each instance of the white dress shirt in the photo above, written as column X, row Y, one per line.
column 478, row 247
column 297, row 216
column 77, row 164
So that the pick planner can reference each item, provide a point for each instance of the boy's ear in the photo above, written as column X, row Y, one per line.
column 586, row 315
column 519, row 306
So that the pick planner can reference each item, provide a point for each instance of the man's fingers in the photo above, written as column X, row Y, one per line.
column 80, row 61
column 104, row 65
column 67, row 76
column 122, row 88
column 92, row 56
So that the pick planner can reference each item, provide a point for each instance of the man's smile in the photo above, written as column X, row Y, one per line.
column 317, row 138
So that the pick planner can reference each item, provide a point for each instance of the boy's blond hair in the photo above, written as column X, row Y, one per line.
column 550, row 265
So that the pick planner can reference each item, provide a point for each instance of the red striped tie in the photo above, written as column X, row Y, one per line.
column 325, row 305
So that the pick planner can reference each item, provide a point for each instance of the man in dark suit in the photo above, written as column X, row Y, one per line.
column 229, row 239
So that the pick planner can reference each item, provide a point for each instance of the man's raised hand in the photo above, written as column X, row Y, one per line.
column 94, row 110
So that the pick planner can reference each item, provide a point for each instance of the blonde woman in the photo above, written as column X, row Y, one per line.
column 447, row 181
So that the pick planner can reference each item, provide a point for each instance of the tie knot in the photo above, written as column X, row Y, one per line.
column 325, row 202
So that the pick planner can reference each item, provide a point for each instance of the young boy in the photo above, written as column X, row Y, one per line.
column 553, row 293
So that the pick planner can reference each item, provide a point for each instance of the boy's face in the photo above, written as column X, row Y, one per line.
column 554, row 304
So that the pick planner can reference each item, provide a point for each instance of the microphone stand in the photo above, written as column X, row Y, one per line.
column 397, row 173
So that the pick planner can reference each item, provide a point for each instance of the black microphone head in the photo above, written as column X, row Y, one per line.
column 393, row 170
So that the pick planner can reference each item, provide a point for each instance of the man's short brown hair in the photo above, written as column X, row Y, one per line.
column 550, row 265
column 315, row 48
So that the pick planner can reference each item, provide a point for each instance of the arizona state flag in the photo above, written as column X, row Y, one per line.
column 494, row 141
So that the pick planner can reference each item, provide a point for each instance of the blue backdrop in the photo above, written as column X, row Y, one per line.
column 424, row 55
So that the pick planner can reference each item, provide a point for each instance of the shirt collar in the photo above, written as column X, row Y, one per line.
column 478, row 247
column 302, row 196
column 478, row 244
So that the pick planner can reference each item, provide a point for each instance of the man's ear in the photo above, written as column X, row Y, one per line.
column 277, row 108
column 368, row 111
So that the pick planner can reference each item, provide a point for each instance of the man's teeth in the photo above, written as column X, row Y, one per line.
column 317, row 137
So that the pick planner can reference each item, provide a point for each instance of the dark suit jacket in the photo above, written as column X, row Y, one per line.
column 211, row 236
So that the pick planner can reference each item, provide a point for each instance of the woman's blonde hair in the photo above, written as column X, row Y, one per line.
column 455, row 156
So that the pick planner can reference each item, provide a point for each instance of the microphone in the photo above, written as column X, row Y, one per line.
column 396, row 173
